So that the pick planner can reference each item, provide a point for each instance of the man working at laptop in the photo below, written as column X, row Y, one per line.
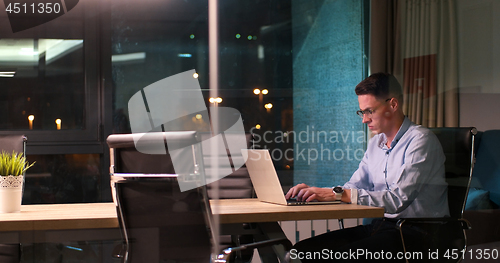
column 402, row 170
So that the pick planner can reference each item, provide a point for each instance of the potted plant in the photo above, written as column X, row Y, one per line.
column 12, row 168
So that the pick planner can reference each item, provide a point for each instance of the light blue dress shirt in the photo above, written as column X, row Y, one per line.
column 407, row 179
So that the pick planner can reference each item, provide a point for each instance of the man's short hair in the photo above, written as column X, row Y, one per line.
column 382, row 86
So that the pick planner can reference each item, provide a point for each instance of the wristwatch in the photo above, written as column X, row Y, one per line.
column 338, row 190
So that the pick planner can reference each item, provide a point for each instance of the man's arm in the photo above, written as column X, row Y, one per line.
column 422, row 167
column 358, row 180
column 303, row 192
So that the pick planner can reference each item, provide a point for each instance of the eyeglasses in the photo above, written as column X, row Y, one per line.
column 368, row 113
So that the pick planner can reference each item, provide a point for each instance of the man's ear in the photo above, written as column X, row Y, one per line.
column 394, row 104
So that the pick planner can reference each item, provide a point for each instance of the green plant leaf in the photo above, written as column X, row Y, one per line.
column 13, row 164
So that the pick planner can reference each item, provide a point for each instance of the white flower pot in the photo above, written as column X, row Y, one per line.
column 11, row 193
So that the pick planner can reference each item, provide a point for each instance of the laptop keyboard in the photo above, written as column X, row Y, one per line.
column 296, row 202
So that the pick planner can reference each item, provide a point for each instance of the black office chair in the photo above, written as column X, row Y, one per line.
column 158, row 220
column 11, row 143
column 447, row 234
column 11, row 253
column 237, row 184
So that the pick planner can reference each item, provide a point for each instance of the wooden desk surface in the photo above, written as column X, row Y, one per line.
column 103, row 215
column 60, row 217
column 252, row 210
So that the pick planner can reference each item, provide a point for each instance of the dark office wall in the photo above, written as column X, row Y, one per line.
column 328, row 37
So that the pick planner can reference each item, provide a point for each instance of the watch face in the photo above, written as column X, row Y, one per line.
column 338, row 189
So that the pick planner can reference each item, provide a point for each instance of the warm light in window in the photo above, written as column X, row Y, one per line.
column 30, row 119
column 215, row 100
column 58, row 124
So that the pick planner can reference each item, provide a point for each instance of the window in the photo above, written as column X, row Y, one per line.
column 50, row 92
column 49, row 79
column 43, row 82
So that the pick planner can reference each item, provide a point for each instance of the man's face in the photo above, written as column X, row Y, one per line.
column 378, row 122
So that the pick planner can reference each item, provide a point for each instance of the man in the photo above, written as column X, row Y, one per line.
column 402, row 170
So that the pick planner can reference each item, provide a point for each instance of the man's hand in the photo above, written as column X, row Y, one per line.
column 294, row 191
column 303, row 192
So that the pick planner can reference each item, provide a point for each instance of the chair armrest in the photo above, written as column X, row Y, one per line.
column 223, row 258
column 432, row 220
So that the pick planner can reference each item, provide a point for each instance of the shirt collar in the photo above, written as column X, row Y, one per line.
column 404, row 127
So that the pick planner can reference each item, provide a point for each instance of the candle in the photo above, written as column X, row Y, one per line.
column 58, row 123
column 30, row 119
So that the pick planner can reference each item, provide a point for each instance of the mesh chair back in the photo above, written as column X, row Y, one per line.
column 125, row 158
column 487, row 168
column 159, row 223
column 458, row 147
column 237, row 183
column 162, row 223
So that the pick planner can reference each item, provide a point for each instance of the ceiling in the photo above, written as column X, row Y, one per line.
column 27, row 52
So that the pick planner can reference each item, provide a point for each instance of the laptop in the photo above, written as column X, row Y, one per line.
column 265, row 179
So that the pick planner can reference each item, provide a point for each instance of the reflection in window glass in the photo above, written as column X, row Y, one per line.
column 42, row 84
column 289, row 68
column 63, row 178
column 152, row 40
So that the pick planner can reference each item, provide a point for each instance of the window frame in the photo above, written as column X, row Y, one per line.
column 88, row 139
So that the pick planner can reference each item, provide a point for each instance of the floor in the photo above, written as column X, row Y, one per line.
column 71, row 252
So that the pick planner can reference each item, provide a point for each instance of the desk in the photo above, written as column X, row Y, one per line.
column 60, row 217
column 60, row 222
column 251, row 210
column 229, row 211
column 98, row 221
